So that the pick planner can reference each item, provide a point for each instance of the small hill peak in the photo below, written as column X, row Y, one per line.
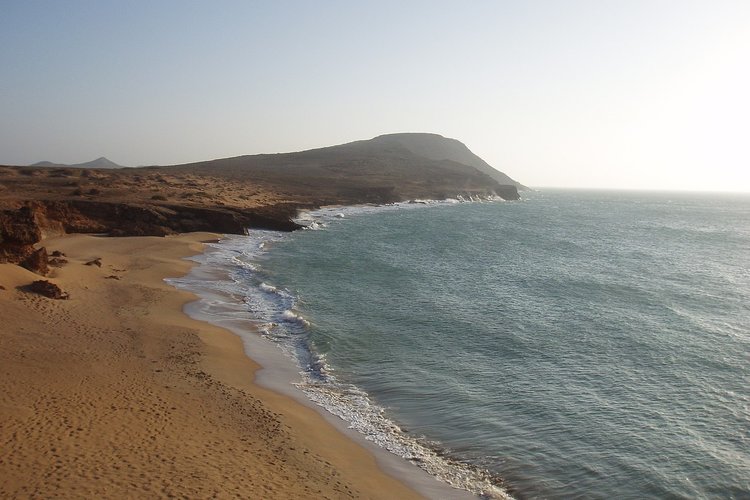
column 100, row 162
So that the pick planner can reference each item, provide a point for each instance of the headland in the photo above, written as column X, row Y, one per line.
column 109, row 389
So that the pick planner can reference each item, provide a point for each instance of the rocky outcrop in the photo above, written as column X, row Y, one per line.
column 18, row 227
column 48, row 289
column 124, row 219
column 37, row 262
column 19, row 231
column 57, row 262
column 507, row 192
column 22, row 228
column 57, row 259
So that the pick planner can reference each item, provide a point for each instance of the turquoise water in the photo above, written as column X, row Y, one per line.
column 575, row 344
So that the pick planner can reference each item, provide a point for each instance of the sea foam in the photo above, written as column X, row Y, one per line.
column 271, row 310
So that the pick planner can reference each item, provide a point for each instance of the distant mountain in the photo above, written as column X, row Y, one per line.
column 387, row 168
column 98, row 163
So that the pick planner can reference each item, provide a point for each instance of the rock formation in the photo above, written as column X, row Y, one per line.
column 48, row 289
column 37, row 262
column 19, row 231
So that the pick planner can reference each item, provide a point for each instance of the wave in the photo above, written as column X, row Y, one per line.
column 237, row 261
column 355, row 407
column 320, row 218
column 292, row 317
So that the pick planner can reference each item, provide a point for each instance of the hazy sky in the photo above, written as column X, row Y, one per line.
column 622, row 94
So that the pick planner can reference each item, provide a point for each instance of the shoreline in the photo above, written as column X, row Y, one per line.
column 278, row 372
column 225, row 282
column 117, row 391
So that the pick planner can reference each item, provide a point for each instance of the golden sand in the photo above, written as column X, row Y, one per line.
column 117, row 393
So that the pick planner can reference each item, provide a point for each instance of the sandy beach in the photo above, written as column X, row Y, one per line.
column 117, row 393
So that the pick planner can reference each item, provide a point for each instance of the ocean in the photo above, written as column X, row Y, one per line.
column 575, row 344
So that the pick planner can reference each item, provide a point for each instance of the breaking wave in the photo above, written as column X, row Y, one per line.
column 231, row 278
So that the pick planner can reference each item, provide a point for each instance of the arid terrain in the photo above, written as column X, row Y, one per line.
column 232, row 194
column 109, row 390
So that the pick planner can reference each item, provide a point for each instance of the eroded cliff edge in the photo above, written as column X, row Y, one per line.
column 24, row 223
column 231, row 195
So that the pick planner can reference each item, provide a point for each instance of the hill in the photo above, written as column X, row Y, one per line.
column 101, row 162
column 437, row 147
column 231, row 195
column 387, row 168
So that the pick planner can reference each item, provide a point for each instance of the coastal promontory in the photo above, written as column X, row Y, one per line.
column 230, row 195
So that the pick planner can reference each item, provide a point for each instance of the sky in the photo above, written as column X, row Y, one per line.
column 606, row 94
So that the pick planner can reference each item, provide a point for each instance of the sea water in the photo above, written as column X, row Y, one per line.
column 575, row 344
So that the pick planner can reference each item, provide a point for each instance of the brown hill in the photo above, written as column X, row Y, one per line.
column 387, row 168
column 232, row 194
column 437, row 147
